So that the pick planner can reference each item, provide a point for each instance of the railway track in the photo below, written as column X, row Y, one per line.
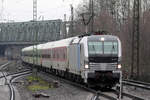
column 111, row 94
column 3, row 66
column 138, row 84
column 94, row 91
column 17, row 73
column 11, row 79
column 14, row 77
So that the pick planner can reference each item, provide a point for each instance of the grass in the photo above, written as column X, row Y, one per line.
column 37, row 87
column 36, row 83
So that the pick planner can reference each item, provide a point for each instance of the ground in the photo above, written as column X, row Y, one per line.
column 64, row 91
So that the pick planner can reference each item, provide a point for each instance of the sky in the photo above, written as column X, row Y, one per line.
column 21, row 10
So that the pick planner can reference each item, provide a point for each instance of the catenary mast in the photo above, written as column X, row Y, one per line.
column 135, row 40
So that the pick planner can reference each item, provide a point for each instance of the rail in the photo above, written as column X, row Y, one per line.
column 13, row 77
column 137, row 84
column 97, row 94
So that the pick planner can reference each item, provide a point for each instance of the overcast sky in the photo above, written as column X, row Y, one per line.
column 21, row 10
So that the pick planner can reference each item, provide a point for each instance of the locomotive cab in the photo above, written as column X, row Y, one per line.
column 103, row 61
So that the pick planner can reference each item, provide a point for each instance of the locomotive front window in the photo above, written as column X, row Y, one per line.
column 95, row 48
column 102, row 47
column 110, row 47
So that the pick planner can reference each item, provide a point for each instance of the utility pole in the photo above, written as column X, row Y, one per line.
column 91, row 10
column 89, row 22
column 34, row 10
column 35, row 53
column 2, row 10
column 72, row 19
column 64, row 27
column 135, row 39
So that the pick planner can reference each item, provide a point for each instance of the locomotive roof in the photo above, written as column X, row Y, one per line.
column 107, row 37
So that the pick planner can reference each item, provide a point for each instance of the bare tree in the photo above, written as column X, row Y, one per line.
column 115, row 16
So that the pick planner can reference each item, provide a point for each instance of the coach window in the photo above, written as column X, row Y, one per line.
column 53, row 54
column 61, row 54
column 42, row 55
column 56, row 53
column 45, row 56
column 49, row 53
column 64, row 54
column 24, row 53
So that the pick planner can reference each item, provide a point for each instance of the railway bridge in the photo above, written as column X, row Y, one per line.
column 16, row 35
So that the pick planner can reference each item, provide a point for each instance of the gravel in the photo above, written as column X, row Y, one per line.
column 63, row 92
column 15, row 66
column 2, row 61
column 138, row 92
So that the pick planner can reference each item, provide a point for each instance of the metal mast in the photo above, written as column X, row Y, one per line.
column 35, row 53
column 135, row 40
column 72, row 20
column 2, row 9
column 91, row 9
column 34, row 10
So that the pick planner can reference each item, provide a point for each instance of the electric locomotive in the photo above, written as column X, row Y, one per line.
column 102, row 63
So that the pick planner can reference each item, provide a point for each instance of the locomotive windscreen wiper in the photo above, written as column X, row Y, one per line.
column 113, row 48
column 93, row 46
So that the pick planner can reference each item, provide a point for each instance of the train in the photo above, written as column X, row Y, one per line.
column 94, row 60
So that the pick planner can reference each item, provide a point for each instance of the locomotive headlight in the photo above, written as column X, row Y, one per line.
column 119, row 66
column 102, row 39
column 86, row 66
